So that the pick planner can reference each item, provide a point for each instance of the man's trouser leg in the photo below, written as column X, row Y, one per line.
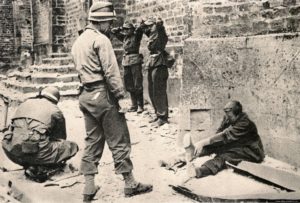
column 150, row 88
column 104, row 122
column 137, row 76
column 50, row 153
column 159, row 77
column 213, row 166
column 129, row 86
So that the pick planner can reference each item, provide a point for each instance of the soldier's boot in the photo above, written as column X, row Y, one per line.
column 90, row 189
column 140, row 102
column 134, row 105
column 132, row 187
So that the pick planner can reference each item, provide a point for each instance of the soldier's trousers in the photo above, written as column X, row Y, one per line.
column 157, row 87
column 215, row 165
column 50, row 153
column 133, row 80
column 103, row 123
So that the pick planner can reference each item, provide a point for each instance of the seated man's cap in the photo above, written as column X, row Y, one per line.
column 229, row 106
column 102, row 11
column 128, row 25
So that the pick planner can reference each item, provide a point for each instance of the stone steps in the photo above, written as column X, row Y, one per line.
column 45, row 77
column 56, row 70
column 58, row 60
column 50, row 68
column 28, row 87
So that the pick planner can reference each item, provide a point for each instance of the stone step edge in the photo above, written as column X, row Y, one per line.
column 57, row 84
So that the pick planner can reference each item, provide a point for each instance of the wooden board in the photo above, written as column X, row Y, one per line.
column 264, row 197
column 269, row 175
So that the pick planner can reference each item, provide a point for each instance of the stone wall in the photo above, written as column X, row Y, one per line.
column 77, row 14
column 23, row 24
column 6, row 32
column 232, row 55
column 41, row 28
column 49, row 24
column 222, row 18
column 59, row 23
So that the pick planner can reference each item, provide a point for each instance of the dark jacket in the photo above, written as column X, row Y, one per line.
column 131, row 45
column 241, row 137
column 157, row 42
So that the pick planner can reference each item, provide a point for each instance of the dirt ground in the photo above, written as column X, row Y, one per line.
column 149, row 145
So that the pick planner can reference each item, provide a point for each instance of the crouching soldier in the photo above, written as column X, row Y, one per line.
column 36, row 138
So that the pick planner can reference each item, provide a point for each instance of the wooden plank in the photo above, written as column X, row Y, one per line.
column 264, row 197
column 269, row 175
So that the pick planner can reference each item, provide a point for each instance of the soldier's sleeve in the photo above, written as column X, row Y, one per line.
column 153, row 42
column 116, row 32
column 237, row 131
column 58, row 126
column 224, row 124
column 139, row 33
column 110, row 67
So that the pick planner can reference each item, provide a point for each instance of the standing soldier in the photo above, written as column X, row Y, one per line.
column 132, row 63
column 37, row 136
column 100, row 100
column 157, row 69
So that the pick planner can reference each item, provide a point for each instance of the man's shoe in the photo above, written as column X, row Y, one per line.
column 132, row 109
column 140, row 109
column 153, row 120
column 161, row 122
column 90, row 197
column 139, row 189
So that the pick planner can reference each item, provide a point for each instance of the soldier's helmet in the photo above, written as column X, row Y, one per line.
column 102, row 11
column 128, row 25
column 51, row 93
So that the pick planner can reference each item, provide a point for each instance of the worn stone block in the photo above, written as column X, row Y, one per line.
column 289, row 2
column 215, row 19
column 208, row 10
column 223, row 9
column 292, row 24
column 260, row 27
column 295, row 10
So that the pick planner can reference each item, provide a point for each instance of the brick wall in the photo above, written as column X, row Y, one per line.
column 76, row 17
column 77, row 13
column 221, row 18
column 59, row 23
column 176, row 16
column 6, row 32
column 23, row 23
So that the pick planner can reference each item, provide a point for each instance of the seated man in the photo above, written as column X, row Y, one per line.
column 36, row 138
column 235, row 140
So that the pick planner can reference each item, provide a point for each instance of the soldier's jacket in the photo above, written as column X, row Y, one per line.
column 157, row 42
column 240, row 137
column 131, row 46
column 50, row 118
column 95, row 60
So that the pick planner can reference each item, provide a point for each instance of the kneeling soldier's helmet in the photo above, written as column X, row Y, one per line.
column 51, row 93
